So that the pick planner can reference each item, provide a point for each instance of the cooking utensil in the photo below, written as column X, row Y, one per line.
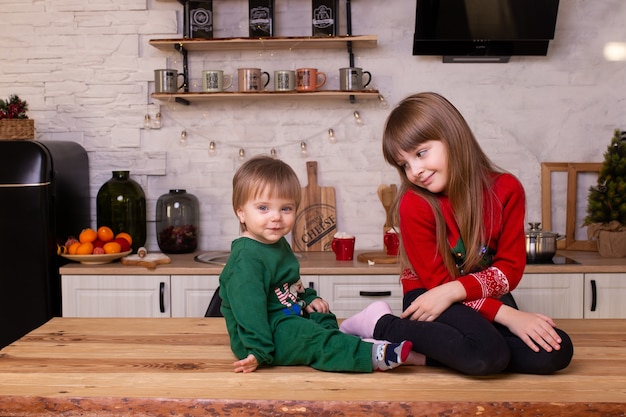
column 387, row 195
column 316, row 220
column 540, row 244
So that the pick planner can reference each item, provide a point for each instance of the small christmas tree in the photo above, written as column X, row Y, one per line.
column 13, row 108
column 607, row 200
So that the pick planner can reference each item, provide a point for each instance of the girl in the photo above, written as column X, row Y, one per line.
column 462, row 227
column 271, row 318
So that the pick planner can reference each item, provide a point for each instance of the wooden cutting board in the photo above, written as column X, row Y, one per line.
column 316, row 220
column 150, row 260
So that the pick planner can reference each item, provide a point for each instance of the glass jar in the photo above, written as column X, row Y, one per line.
column 177, row 216
column 121, row 205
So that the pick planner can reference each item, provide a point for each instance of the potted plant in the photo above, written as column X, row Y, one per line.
column 606, row 209
column 14, row 123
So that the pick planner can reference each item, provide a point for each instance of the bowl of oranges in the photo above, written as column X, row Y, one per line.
column 93, row 247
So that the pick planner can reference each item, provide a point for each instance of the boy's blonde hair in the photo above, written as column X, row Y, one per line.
column 264, row 174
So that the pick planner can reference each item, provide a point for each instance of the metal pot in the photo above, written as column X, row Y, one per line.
column 540, row 245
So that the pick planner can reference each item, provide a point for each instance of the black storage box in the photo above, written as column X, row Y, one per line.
column 198, row 19
column 261, row 18
column 325, row 17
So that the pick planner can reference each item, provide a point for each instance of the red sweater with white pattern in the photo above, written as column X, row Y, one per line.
column 507, row 241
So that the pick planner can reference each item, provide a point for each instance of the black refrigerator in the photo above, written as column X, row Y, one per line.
column 44, row 198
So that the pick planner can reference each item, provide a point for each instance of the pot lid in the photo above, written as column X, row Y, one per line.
column 535, row 230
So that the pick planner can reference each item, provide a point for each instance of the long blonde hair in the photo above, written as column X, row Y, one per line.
column 429, row 116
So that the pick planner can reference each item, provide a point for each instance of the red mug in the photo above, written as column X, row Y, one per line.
column 392, row 243
column 343, row 248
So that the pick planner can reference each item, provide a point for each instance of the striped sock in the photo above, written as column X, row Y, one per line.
column 390, row 355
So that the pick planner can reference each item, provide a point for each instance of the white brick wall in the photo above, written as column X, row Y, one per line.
column 86, row 70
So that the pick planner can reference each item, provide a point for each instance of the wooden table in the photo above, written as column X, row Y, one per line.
column 169, row 367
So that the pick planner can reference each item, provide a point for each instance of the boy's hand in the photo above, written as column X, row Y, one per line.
column 246, row 365
column 318, row 305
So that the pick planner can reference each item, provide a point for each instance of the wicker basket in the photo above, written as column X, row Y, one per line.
column 17, row 129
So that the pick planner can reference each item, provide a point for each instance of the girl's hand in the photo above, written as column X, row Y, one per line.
column 430, row 305
column 246, row 365
column 319, row 304
column 536, row 330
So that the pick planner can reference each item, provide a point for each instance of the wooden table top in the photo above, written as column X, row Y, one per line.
column 91, row 366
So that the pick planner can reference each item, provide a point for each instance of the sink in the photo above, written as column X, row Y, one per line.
column 215, row 257
column 220, row 257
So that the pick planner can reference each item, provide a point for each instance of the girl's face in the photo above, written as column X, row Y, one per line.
column 427, row 166
column 267, row 219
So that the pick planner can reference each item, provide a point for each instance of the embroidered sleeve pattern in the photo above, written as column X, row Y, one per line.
column 492, row 282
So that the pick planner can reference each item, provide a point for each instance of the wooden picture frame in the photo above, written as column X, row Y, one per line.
column 547, row 168
column 573, row 169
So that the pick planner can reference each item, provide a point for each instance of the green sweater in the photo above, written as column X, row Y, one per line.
column 259, row 285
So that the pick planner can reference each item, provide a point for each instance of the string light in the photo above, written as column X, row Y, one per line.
column 331, row 136
column 383, row 101
column 157, row 121
column 147, row 123
column 212, row 150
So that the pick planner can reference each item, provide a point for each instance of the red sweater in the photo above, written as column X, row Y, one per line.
column 507, row 241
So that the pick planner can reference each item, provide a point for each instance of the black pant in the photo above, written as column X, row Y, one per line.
column 464, row 340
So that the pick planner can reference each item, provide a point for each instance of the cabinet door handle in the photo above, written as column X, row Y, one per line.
column 594, row 295
column 311, row 284
column 162, row 297
column 374, row 293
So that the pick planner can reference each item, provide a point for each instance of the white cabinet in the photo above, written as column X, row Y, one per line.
column 605, row 296
column 191, row 294
column 116, row 296
column 137, row 295
column 555, row 295
column 349, row 294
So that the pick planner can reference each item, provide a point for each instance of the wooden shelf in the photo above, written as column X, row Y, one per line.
column 199, row 96
column 284, row 43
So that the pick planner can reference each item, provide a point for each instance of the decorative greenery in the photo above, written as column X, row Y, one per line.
column 13, row 108
column 607, row 200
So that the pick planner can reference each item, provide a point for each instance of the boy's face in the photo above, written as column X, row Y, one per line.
column 267, row 219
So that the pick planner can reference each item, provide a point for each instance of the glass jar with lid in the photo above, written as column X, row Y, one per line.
column 177, row 217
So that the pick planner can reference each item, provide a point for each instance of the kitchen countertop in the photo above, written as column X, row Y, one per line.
column 324, row 263
column 183, row 367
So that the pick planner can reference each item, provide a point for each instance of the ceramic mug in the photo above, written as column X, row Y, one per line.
column 214, row 81
column 343, row 248
column 166, row 81
column 392, row 242
column 284, row 80
column 351, row 79
column 251, row 79
column 309, row 79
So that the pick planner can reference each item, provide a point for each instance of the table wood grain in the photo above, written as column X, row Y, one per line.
column 148, row 367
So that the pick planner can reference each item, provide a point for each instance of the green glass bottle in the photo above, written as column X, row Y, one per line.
column 121, row 205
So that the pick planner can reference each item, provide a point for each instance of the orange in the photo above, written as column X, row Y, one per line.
column 112, row 247
column 87, row 235
column 105, row 233
column 85, row 248
column 126, row 236
column 72, row 249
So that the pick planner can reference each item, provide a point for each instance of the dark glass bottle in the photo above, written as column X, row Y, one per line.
column 177, row 215
column 121, row 205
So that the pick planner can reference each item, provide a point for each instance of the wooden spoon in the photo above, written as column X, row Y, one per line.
column 387, row 199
